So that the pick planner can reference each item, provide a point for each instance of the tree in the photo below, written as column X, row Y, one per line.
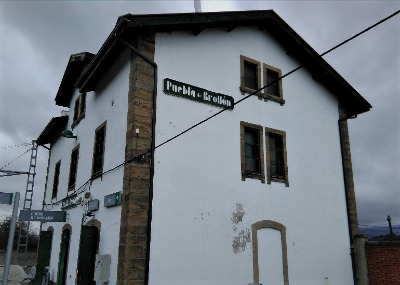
column 33, row 237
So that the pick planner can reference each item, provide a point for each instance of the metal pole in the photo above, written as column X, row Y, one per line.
column 11, row 239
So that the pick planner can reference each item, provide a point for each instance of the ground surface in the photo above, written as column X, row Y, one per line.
column 28, row 261
column 16, row 272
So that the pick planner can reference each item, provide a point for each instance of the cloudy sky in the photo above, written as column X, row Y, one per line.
column 37, row 38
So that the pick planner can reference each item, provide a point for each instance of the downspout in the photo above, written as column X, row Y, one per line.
column 153, row 143
column 349, row 187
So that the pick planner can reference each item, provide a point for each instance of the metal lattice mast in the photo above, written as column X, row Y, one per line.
column 27, row 204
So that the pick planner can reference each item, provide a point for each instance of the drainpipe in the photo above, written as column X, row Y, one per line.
column 153, row 144
column 352, row 218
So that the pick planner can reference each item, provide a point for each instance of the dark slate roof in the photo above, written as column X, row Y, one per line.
column 130, row 26
column 76, row 64
column 53, row 130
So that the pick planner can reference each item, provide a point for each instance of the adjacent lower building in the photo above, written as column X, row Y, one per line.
column 174, row 165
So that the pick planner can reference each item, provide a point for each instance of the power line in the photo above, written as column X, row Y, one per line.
column 241, row 100
column 16, row 145
column 18, row 157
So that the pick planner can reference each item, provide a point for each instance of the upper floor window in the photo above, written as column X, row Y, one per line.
column 277, row 169
column 56, row 179
column 250, row 80
column 250, row 74
column 79, row 109
column 98, row 151
column 273, row 82
column 252, row 164
column 73, row 168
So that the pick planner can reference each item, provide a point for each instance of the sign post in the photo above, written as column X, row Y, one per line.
column 10, row 235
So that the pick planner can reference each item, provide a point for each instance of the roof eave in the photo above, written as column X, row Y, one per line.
column 137, row 25
column 53, row 130
column 76, row 63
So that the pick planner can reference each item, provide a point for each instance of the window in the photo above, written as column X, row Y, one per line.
column 250, row 74
column 79, row 109
column 277, row 169
column 273, row 91
column 73, row 168
column 55, row 180
column 252, row 164
column 98, row 151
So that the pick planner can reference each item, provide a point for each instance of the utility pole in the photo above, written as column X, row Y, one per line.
column 11, row 239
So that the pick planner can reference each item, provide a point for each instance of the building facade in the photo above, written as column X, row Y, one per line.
column 259, row 192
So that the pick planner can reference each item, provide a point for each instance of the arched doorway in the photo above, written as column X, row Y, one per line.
column 64, row 254
column 44, row 252
column 87, row 254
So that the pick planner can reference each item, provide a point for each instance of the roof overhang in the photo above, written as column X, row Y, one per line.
column 133, row 26
column 76, row 64
column 53, row 130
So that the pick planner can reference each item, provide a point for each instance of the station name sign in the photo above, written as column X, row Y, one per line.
column 176, row 88
column 68, row 202
column 42, row 216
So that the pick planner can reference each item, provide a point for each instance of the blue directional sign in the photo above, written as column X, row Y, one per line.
column 42, row 216
column 6, row 198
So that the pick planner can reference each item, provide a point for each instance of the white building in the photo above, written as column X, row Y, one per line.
column 261, row 193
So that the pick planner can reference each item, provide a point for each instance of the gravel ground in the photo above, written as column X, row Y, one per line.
column 25, row 262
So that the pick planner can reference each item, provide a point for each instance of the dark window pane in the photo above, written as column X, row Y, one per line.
column 273, row 83
column 76, row 109
column 73, row 168
column 55, row 181
column 250, row 75
column 252, row 165
column 98, row 151
column 252, row 150
column 82, row 106
column 277, row 164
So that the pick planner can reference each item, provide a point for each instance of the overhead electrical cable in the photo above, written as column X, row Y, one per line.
column 241, row 100
column 16, row 145
column 18, row 157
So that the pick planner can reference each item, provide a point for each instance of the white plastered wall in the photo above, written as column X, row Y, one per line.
column 107, row 103
column 197, row 183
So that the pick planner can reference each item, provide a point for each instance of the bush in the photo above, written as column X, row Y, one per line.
column 33, row 237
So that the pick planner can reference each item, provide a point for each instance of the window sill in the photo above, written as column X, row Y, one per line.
column 250, row 175
column 96, row 175
column 261, row 95
column 246, row 90
column 279, row 180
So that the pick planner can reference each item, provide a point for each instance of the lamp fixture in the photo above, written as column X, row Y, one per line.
column 68, row 134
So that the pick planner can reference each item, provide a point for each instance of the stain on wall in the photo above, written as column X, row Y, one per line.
column 240, row 241
column 237, row 216
column 241, row 236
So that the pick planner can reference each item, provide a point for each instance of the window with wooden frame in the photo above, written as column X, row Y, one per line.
column 250, row 74
column 252, row 156
column 79, row 109
column 98, row 151
column 73, row 168
column 56, row 180
column 277, row 169
column 273, row 82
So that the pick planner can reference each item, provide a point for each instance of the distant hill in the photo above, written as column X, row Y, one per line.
column 378, row 231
